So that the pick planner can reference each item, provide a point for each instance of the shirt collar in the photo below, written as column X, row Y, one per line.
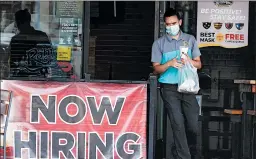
column 181, row 37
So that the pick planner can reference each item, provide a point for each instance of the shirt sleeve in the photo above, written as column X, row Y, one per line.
column 10, row 48
column 156, row 54
column 48, row 40
column 195, row 50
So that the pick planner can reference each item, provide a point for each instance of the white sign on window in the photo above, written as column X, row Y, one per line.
column 222, row 23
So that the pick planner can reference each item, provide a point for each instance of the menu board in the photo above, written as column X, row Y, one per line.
column 222, row 23
column 69, row 9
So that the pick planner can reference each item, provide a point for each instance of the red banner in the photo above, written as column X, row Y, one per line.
column 76, row 120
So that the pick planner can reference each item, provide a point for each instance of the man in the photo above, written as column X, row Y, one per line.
column 181, row 108
column 30, row 50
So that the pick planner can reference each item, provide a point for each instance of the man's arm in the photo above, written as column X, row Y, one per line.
column 162, row 68
column 196, row 60
column 9, row 50
column 156, row 60
column 158, row 68
column 10, row 55
column 156, row 57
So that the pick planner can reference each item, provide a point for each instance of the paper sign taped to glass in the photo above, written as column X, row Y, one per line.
column 64, row 53
column 69, row 9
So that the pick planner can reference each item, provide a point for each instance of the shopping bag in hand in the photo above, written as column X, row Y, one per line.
column 188, row 81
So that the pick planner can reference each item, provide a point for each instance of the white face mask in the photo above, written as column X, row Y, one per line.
column 173, row 30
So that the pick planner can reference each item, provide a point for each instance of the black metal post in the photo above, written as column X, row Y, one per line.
column 162, row 9
column 152, row 117
column 157, row 20
column 254, row 129
column 245, row 129
column 86, row 37
column 254, row 137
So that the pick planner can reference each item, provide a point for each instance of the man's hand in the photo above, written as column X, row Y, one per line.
column 174, row 63
column 196, row 62
column 185, row 58
column 158, row 68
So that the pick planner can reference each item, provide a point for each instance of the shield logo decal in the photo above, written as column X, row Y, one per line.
column 206, row 25
column 229, row 25
column 239, row 26
column 217, row 25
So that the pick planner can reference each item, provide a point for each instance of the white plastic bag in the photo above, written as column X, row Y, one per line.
column 188, row 81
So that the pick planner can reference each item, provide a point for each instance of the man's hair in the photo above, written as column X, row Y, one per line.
column 171, row 12
column 22, row 16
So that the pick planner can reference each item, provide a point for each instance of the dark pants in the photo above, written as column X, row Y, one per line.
column 183, row 111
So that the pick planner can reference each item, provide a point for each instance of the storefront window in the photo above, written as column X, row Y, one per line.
column 61, row 21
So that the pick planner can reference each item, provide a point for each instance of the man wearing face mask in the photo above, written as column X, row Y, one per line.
column 182, row 108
